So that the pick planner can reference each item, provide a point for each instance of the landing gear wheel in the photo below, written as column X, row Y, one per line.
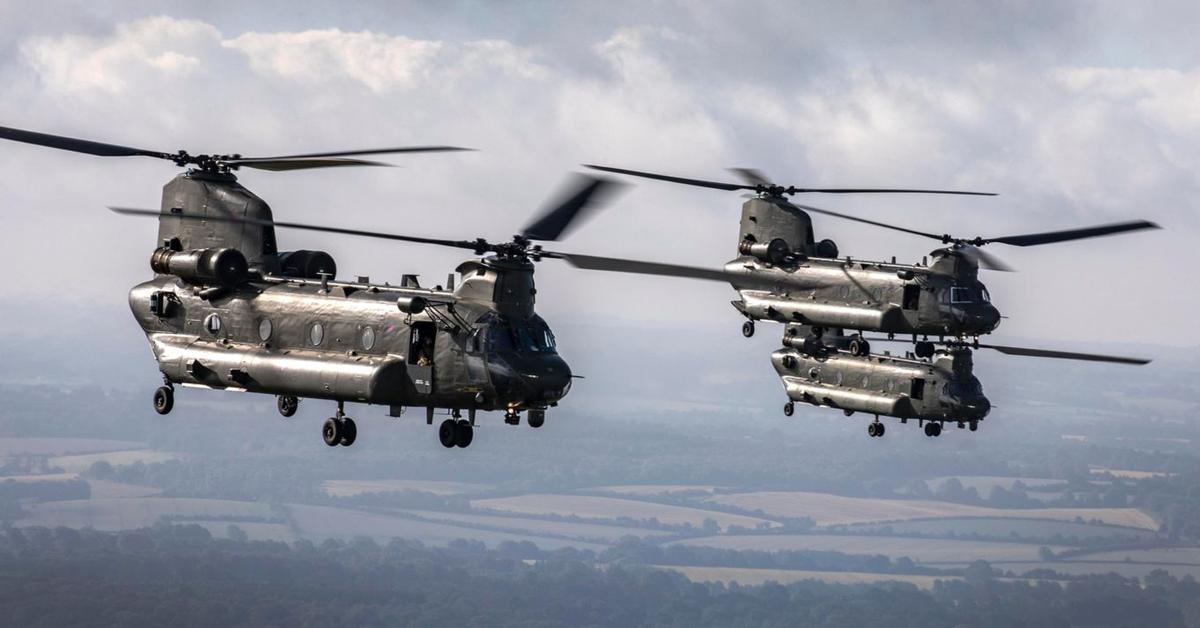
column 748, row 328
column 349, row 431
column 937, row 429
column 448, row 433
column 933, row 429
column 859, row 346
column 331, row 432
column 880, row 429
column 789, row 408
column 164, row 399
column 924, row 349
column 287, row 405
column 463, row 433
column 536, row 418
column 875, row 430
column 973, row 425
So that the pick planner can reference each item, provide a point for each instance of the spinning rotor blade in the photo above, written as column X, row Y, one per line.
column 984, row 259
column 76, row 145
column 761, row 184
column 582, row 195
column 461, row 244
column 280, row 165
column 369, row 151
column 220, row 162
column 1051, row 237
column 885, row 225
column 1034, row 353
column 619, row 265
column 1065, row 355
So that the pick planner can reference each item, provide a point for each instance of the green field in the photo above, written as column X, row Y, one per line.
column 611, row 508
column 82, row 462
column 133, row 512
column 919, row 550
column 349, row 488
column 753, row 577
column 62, row 446
column 323, row 522
column 651, row 490
column 1002, row 527
column 1188, row 555
column 582, row 531
column 103, row 489
column 828, row 510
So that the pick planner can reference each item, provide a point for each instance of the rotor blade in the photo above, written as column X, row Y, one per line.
column 883, row 191
column 983, row 259
column 751, row 176
column 1050, row 237
column 87, row 147
column 885, row 225
column 582, row 195
column 461, row 244
column 368, row 151
column 716, row 185
column 619, row 265
column 1065, row 355
column 278, row 165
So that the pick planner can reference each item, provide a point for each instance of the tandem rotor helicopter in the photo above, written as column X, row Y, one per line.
column 783, row 274
column 228, row 310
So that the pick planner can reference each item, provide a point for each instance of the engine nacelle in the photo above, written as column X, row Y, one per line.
column 222, row 267
column 774, row 252
column 827, row 248
column 307, row 264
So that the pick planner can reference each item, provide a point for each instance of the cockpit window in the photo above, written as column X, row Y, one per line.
column 529, row 337
column 968, row 294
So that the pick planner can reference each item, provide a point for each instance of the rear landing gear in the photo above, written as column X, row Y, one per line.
column 339, row 429
column 287, row 405
column 164, row 399
column 748, row 328
column 789, row 408
column 536, row 418
column 876, row 429
column 924, row 349
column 456, row 433
column 933, row 429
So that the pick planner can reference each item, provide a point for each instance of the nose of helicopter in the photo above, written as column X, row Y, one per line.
column 980, row 318
column 531, row 379
column 974, row 407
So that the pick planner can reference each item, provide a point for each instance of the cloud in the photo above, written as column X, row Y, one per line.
column 158, row 46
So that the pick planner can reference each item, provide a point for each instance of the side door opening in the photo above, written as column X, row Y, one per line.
column 420, row 355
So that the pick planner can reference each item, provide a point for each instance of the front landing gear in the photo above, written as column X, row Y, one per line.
column 876, row 429
column 339, row 429
column 456, row 433
column 933, row 429
column 164, row 399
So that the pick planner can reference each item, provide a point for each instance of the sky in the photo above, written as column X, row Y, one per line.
column 1076, row 113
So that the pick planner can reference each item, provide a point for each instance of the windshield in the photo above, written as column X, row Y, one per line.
column 968, row 294
column 532, row 336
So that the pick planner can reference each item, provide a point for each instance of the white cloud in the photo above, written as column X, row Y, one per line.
column 161, row 46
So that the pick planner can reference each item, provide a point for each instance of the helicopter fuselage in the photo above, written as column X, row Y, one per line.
column 942, row 299
column 943, row 389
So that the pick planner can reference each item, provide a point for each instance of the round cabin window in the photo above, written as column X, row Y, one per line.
column 264, row 329
column 212, row 324
column 368, row 338
column 316, row 334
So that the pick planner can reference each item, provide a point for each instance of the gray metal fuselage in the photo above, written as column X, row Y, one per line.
column 942, row 389
column 944, row 298
column 480, row 346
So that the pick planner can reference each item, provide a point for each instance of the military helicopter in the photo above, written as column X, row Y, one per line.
column 822, row 371
column 226, row 310
column 783, row 274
